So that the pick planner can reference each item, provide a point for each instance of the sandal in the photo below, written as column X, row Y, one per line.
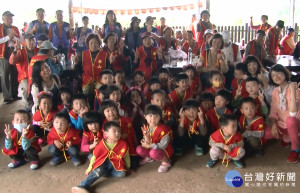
column 164, row 167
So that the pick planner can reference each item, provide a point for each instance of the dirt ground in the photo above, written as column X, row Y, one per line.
column 187, row 175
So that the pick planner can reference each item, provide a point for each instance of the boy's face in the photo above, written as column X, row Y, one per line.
column 252, row 87
column 113, row 134
column 220, row 102
column 107, row 79
column 119, row 78
column 207, row 105
column 115, row 96
column 65, row 97
column 20, row 118
column 183, row 84
column 249, row 110
column 191, row 114
column 60, row 125
column 152, row 120
column 111, row 113
column 216, row 81
column 79, row 104
column 155, row 86
column 159, row 100
column 230, row 129
column 190, row 74
column 93, row 127
column 238, row 74
column 45, row 105
column 138, row 80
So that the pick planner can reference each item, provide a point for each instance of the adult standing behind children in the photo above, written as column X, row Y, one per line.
column 273, row 38
column 264, row 26
column 111, row 25
column 81, row 34
column 202, row 26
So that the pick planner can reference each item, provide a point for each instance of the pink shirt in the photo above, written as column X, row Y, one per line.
column 279, row 114
column 85, row 144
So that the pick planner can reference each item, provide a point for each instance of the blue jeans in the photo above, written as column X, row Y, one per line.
column 73, row 151
column 105, row 168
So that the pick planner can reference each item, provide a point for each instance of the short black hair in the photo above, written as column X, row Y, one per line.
column 204, row 12
column 106, row 71
column 265, row 16
column 107, row 104
column 62, row 115
column 90, row 117
column 252, row 79
column 291, row 30
column 65, row 90
column 40, row 9
column 110, row 124
column 110, row 89
column 190, row 103
column 163, row 70
column 109, row 35
column 225, row 94
column 102, row 89
column 45, row 96
column 190, row 67
column 23, row 112
column 215, row 72
column 225, row 118
column 247, row 100
column 153, row 80
column 80, row 96
column 118, row 72
column 181, row 76
column 85, row 17
column 153, row 109
column 207, row 96
column 138, row 73
column 158, row 91
column 279, row 68
column 240, row 66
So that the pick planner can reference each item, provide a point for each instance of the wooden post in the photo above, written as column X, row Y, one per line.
column 239, row 34
column 71, row 18
column 246, row 33
column 208, row 5
column 296, row 32
column 235, row 34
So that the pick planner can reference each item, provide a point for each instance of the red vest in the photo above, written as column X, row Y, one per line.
column 257, row 125
column 195, row 85
column 38, row 116
column 213, row 118
column 160, row 132
column 32, row 61
column 273, row 42
column 115, row 156
column 90, row 135
column 200, row 34
column 286, row 50
column 163, row 43
column 176, row 100
column 186, row 47
column 235, row 85
column 119, row 61
column 252, row 50
column 2, row 46
column 194, row 130
column 17, row 143
column 218, row 137
column 147, row 70
column 213, row 91
column 92, row 70
column 73, row 115
column 265, row 27
column 71, row 134
column 235, row 49
column 167, row 112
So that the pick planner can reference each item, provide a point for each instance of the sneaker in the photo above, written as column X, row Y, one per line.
column 198, row 150
column 34, row 165
column 164, row 167
column 76, row 161
column 178, row 152
column 237, row 163
column 293, row 157
column 146, row 160
column 15, row 164
column 211, row 163
column 56, row 160
column 284, row 144
column 79, row 189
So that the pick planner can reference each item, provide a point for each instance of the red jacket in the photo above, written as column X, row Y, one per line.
column 195, row 128
column 235, row 84
column 71, row 134
column 176, row 100
column 2, row 46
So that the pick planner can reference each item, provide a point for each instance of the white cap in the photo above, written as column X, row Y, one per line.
column 226, row 36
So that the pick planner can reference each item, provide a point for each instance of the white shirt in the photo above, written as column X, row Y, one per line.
column 228, row 51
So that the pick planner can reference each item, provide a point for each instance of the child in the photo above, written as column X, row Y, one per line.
column 207, row 101
column 156, row 144
column 92, row 134
column 192, row 125
column 182, row 92
column 120, row 81
column 252, row 127
column 107, row 77
column 100, row 96
column 80, row 107
column 21, row 141
column 222, row 99
column 239, row 80
column 65, row 103
column 138, row 80
column 109, row 110
column 226, row 143
column 165, row 79
column 43, row 118
column 217, row 82
column 153, row 84
column 194, row 81
column 63, row 140
column 110, row 156
column 114, row 93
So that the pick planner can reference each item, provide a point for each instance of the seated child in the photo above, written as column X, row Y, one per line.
column 65, row 100
column 138, row 80
column 226, row 143
column 192, row 125
column 216, row 80
column 165, row 79
column 63, row 140
column 109, row 110
column 80, row 107
column 107, row 77
column 194, row 81
column 110, row 156
column 252, row 127
column 92, row 133
column 100, row 95
column 120, row 81
column 239, row 80
column 222, row 99
column 156, row 144
column 152, row 85
column 21, row 141
column 43, row 118
column 114, row 93
column 182, row 92
column 207, row 101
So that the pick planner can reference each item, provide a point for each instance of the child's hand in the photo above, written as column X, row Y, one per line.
column 43, row 124
column 200, row 114
column 181, row 113
column 136, row 55
column 87, row 173
column 111, row 58
column 58, row 144
column 245, row 77
column 238, row 91
column 49, row 126
column 83, row 110
column 170, row 80
column 159, row 52
column 261, row 97
column 227, row 148
column 293, row 86
column 274, row 131
column 25, row 131
column 145, row 144
column 7, row 131
column 69, row 144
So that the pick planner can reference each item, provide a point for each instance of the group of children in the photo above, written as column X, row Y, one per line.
column 122, row 128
